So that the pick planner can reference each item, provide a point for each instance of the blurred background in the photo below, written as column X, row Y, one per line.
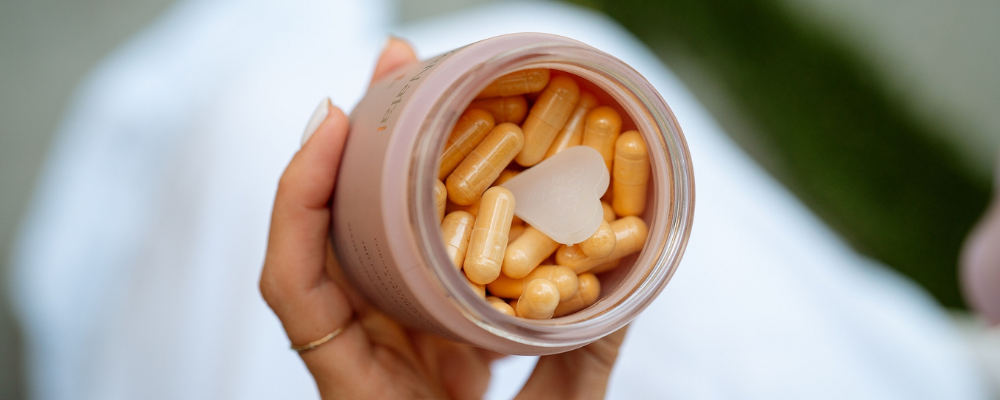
column 879, row 114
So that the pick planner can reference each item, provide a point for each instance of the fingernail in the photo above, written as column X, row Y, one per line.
column 317, row 118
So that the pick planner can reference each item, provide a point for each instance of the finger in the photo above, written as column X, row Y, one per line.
column 396, row 53
column 459, row 368
column 579, row 374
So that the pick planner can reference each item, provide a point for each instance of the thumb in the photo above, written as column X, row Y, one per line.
column 579, row 374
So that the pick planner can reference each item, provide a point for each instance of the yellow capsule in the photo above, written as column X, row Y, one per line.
column 538, row 301
column 571, row 133
column 590, row 289
column 504, row 109
column 456, row 230
column 563, row 277
column 609, row 213
column 505, row 176
column 471, row 208
column 501, row 306
column 513, row 305
column 480, row 290
column 601, row 243
column 470, row 129
column 527, row 252
column 630, row 235
column 441, row 198
column 631, row 174
column 489, row 236
column 483, row 165
column 601, row 132
column 516, row 229
column 608, row 266
column 517, row 82
column 547, row 117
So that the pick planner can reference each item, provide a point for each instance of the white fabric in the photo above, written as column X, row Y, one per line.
column 136, row 274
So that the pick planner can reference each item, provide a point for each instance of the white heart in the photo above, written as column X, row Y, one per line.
column 561, row 196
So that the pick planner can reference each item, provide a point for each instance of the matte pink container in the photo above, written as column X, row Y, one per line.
column 385, row 228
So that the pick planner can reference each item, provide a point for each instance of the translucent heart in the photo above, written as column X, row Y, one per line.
column 561, row 196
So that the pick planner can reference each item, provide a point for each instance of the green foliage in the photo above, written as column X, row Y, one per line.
column 853, row 153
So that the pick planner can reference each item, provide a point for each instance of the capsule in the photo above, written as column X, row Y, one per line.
column 527, row 252
column 601, row 243
column 505, row 176
column 516, row 229
column 517, row 82
column 609, row 213
column 480, row 290
column 483, row 165
column 538, row 301
column 511, row 109
column 455, row 231
column 631, row 174
column 630, row 235
column 590, row 289
column 469, row 131
column 571, row 133
column 441, row 198
column 563, row 277
column 601, row 132
column 501, row 306
column 489, row 236
column 608, row 266
column 546, row 118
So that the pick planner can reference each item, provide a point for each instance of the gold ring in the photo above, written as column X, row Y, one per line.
column 316, row 343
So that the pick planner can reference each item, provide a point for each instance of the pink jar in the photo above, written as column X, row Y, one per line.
column 385, row 227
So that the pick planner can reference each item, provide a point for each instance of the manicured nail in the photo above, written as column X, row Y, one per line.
column 317, row 118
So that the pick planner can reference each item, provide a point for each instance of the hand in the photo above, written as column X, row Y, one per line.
column 376, row 358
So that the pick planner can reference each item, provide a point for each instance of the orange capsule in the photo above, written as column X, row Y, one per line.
column 489, row 236
column 516, row 229
column 527, row 252
column 547, row 117
column 483, row 165
column 455, row 231
column 563, row 277
column 571, row 133
column 505, row 176
column 538, row 301
column 601, row 243
column 601, row 132
column 630, row 236
column 473, row 208
column 501, row 306
column 609, row 213
column 441, row 198
column 511, row 109
column 608, row 266
column 517, row 82
column 631, row 174
column 480, row 290
column 470, row 129
column 590, row 289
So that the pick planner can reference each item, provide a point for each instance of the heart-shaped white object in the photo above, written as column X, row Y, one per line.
column 561, row 196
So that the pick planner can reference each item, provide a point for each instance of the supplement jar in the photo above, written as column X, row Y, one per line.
column 385, row 227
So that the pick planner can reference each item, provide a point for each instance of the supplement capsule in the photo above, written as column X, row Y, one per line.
column 480, row 290
column 511, row 109
column 609, row 213
column 501, row 306
column 608, row 266
column 483, row 165
column 630, row 235
column 473, row 208
column 527, row 252
column 517, row 82
column 590, row 289
column 456, row 231
column 516, row 229
column 505, row 176
column 489, row 236
column 631, row 174
column 563, row 277
column 547, row 117
column 538, row 301
column 601, row 243
column 470, row 129
column 571, row 133
column 441, row 198
column 601, row 132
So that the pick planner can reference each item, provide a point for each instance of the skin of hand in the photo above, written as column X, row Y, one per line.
column 375, row 357
column 980, row 260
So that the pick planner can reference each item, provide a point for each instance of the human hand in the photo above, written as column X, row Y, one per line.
column 980, row 260
column 374, row 356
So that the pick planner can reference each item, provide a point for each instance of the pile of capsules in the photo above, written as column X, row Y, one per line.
column 516, row 268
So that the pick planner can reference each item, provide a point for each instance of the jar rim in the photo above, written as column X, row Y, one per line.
column 671, row 217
